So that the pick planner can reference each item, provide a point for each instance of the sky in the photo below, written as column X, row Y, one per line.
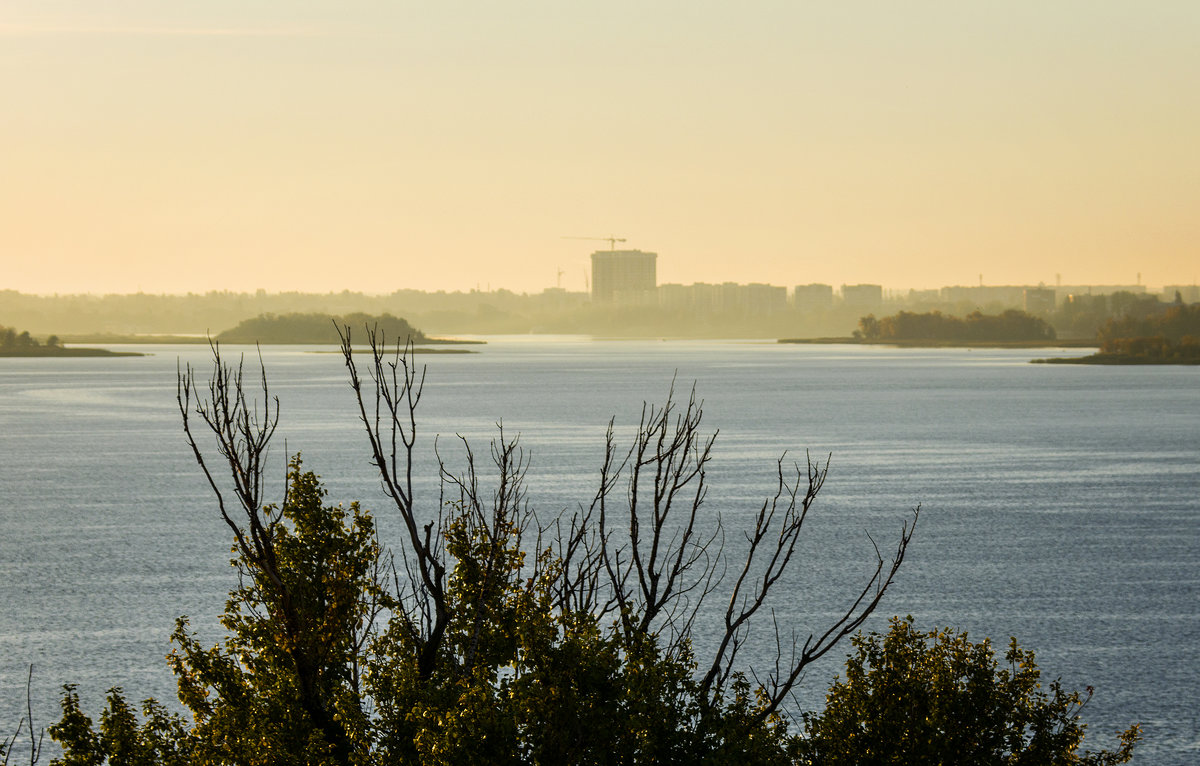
column 375, row 145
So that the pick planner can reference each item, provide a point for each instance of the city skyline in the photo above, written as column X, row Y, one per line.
column 206, row 146
column 588, row 286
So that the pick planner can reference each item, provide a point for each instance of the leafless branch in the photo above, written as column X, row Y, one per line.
column 388, row 411
column 35, row 743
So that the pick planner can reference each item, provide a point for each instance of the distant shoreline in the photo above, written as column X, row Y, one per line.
column 933, row 343
column 42, row 352
column 1116, row 360
column 180, row 340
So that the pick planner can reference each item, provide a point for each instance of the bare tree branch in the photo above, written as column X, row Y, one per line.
column 388, row 411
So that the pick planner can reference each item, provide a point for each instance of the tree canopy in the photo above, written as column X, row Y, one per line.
column 11, row 340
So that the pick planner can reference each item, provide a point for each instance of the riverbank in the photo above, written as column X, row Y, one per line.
column 1115, row 359
column 946, row 343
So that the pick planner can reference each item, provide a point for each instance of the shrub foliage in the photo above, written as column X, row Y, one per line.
column 938, row 698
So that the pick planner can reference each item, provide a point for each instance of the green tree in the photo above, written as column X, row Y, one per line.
column 938, row 698
column 492, row 635
column 297, row 627
column 868, row 328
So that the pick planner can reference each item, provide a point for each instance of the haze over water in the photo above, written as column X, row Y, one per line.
column 1059, row 503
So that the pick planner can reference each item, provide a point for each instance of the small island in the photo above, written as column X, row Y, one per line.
column 22, row 344
column 321, row 329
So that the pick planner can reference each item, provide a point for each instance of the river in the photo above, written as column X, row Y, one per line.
column 1060, row 503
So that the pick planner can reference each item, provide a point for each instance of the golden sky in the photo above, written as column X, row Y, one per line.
column 381, row 144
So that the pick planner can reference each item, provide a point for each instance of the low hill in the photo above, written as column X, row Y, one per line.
column 318, row 329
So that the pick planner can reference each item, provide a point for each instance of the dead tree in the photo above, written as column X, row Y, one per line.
column 388, row 410
column 638, row 552
column 662, row 566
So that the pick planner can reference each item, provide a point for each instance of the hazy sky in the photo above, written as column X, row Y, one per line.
column 373, row 145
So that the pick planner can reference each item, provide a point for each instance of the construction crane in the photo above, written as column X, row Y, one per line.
column 612, row 241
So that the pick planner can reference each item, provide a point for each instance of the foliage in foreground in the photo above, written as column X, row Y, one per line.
column 491, row 635
column 938, row 698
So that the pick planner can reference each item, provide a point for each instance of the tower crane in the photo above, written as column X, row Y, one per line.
column 612, row 241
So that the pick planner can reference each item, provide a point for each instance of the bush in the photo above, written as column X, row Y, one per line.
column 938, row 698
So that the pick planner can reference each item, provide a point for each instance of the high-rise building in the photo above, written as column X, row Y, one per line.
column 1039, row 300
column 1187, row 293
column 814, row 296
column 862, row 296
column 623, row 276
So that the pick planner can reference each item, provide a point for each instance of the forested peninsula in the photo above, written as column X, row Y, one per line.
column 933, row 328
column 1157, row 334
column 1172, row 337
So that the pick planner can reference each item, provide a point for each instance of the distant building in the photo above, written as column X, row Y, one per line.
column 924, row 296
column 699, row 297
column 1039, row 300
column 675, row 296
column 728, row 298
column 705, row 297
column 982, row 295
column 1065, row 290
column 814, row 296
column 862, row 296
column 1187, row 293
column 623, row 276
column 731, row 297
column 765, row 299
column 558, row 298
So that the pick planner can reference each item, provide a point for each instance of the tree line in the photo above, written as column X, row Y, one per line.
column 1171, row 335
column 11, row 340
column 1010, row 325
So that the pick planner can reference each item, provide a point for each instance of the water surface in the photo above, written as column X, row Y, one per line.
column 1060, row 504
